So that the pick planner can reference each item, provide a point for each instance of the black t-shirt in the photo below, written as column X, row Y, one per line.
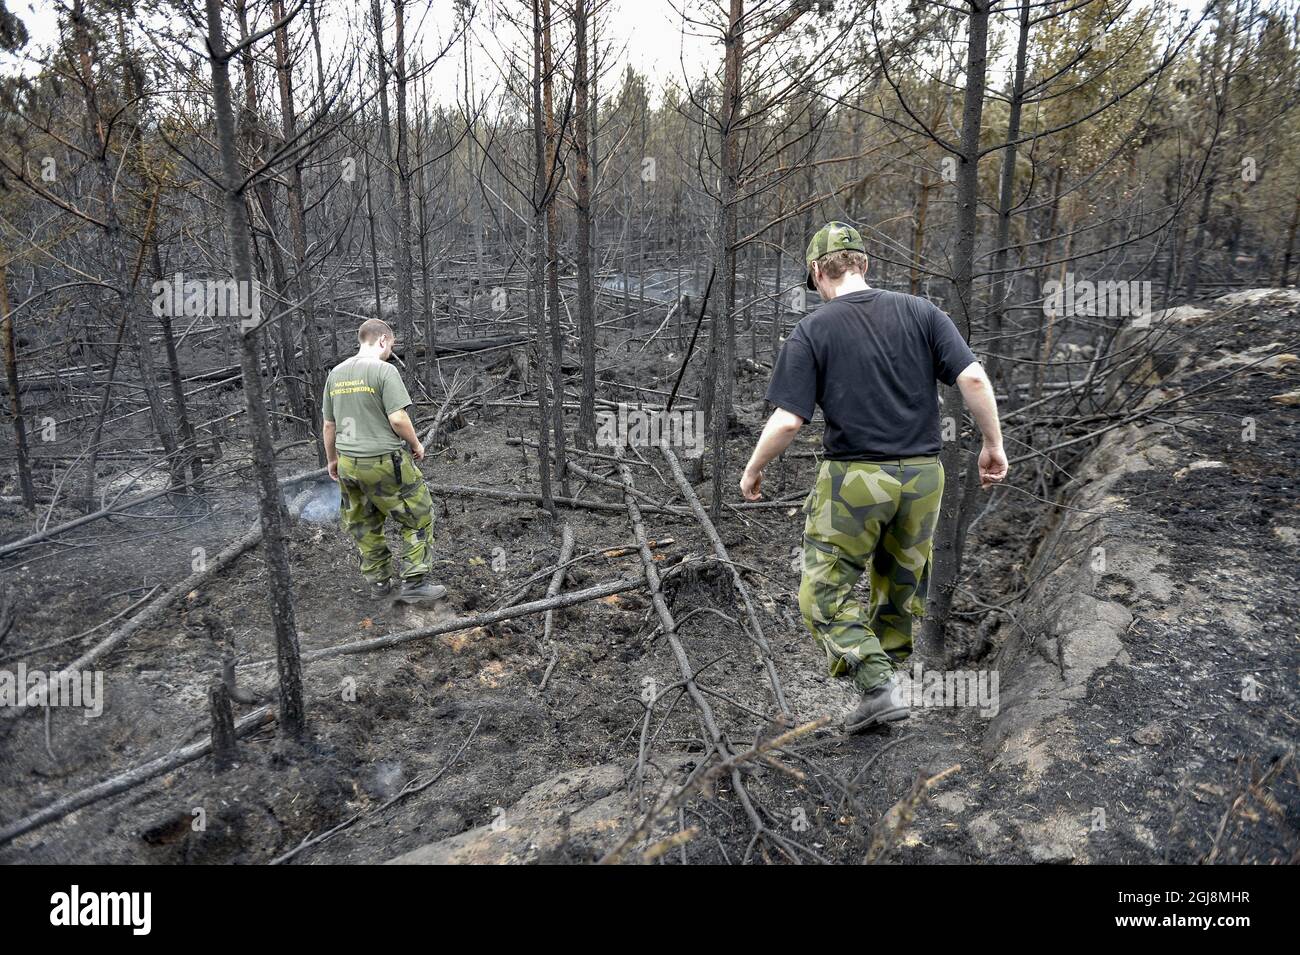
column 870, row 359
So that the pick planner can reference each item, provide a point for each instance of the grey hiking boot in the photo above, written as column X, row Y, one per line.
column 419, row 590
column 380, row 589
column 883, row 704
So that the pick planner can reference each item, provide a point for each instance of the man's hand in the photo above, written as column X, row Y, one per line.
column 328, row 433
column 977, row 391
column 776, row 437
column 417, row 451
column 993, row 465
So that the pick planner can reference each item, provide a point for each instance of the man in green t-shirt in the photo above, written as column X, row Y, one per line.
column 372, row 447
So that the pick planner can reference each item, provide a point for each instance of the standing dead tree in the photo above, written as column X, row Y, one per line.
column 15, row 397
column 582, row 83
column 966, row 146
column 744, row 133
column 233, row 183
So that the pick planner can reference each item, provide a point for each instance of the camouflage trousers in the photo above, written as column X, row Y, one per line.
column 375, row 489
column 861, row 516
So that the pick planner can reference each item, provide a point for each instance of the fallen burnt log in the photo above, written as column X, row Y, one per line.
column 155, row 609
column 717, row 741
column 529, row 497
column 462, row 345
column 742, row 590
column 148, row 615
column 129, row 779
column 558, row 602
column 188, row 754
column 119, row 505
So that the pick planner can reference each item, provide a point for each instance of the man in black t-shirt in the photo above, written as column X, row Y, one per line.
column 870, row 359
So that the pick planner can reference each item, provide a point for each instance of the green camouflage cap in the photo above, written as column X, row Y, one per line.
column 833, row 237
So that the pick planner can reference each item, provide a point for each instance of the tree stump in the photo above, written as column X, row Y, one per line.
column 225, row 751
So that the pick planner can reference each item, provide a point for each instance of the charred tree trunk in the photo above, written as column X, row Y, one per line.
column 724, row 328
column 1283, row 276
column 298, row 231
column 586, row 304
column 553, row 248
column 114, row 242
column 402, row 263
column 952, row 516
column 292, row 714
column 423, row 134
column 1006, row 198
column 1198, row 235
column 15, row 400
column 225, row 747
column 538, row 240
column 258, row 144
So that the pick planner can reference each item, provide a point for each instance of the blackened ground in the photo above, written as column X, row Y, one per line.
column 1225, row 540
column 1214, row 664
column 1182, row 747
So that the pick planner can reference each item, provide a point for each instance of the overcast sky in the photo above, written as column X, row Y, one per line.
column 649, row 35
column 646, row 34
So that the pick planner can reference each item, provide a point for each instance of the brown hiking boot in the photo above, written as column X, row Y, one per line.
column 883, row 704
column 419, row 590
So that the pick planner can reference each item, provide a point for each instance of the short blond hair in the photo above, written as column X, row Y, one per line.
column 372, row 329
column 833, row 265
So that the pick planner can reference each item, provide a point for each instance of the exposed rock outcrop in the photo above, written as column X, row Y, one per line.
column 1152, row 662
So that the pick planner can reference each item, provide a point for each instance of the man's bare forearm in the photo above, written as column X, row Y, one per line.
column 328, row 433
column 977, row 392
column 776, row 437
column 777, row 434
column 401, row 424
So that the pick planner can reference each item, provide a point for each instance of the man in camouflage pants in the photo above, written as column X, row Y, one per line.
column 372, row 447
column 870, row 359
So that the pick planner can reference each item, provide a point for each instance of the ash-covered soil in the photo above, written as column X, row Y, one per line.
column 1158, row 736
column 1153, row 708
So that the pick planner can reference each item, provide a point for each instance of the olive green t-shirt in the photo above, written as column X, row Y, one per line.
column 360, row 394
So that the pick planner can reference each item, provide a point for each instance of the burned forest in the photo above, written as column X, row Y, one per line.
column 677, row 432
